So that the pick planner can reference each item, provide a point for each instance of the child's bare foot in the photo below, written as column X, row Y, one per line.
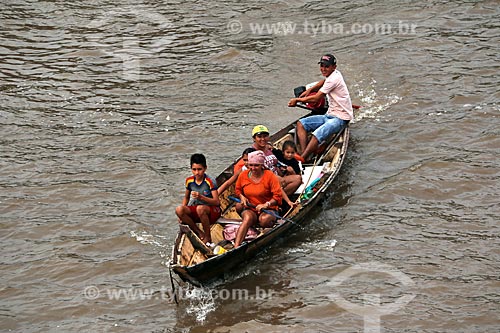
column 206, row 240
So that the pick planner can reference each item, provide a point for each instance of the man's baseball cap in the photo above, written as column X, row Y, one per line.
column 328, row 60
column 259, row 129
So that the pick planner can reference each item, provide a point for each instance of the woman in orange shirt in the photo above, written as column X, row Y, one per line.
column 258, row 189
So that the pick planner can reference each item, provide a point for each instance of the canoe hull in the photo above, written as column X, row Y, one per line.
column 216, row 266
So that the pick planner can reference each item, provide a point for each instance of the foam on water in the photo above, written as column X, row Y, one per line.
column 145, row 238
column 201, row 303
column 373, row 104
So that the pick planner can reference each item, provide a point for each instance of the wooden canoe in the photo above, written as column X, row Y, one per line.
column 195, row 263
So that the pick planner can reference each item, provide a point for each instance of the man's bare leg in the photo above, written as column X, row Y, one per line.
column 301, row 136
column 311, row 147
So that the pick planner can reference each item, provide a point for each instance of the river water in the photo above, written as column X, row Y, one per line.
column 102, row 103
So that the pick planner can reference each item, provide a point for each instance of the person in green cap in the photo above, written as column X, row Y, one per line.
column 289, row 183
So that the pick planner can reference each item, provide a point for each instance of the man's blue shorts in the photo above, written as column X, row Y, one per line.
column 323, row 126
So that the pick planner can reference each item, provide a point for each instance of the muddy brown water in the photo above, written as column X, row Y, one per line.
column 103, row 103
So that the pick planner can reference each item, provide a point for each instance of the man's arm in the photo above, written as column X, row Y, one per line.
column 312, row 98
column 316, row 87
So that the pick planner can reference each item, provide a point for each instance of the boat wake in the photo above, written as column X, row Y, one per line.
column 201, row 303
column 324, row 245
column 157, row 241
column 373, row 104
column 147, row 239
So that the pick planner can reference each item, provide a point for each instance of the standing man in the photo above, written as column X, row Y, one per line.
column 339, row 109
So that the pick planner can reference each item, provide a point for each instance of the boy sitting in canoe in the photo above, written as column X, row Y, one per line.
column 201, row 200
